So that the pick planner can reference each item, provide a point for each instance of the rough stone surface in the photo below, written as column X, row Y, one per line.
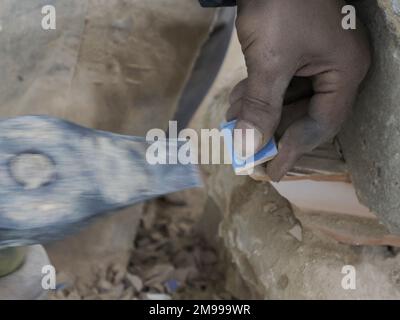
column 113, row 65
column 273, row 264
column 371, row 137
column 347, row 228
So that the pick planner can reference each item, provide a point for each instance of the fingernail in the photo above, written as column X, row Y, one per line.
column 247, row 140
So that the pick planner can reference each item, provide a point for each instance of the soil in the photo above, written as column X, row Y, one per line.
column 170, row 260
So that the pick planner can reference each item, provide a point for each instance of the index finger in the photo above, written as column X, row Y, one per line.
column 328, row 109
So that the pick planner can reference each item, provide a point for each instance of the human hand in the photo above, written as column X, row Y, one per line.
column 283, row 39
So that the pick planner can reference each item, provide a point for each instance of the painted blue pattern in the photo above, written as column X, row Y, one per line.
column 266, row 153
column 96, row 172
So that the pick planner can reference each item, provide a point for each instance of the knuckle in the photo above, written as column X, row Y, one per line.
column 329, row 129
column 328, row 82
column 260, row 109
column 264, row 118
column 255, row 102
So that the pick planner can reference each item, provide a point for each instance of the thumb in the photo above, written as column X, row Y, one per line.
column 260, row 110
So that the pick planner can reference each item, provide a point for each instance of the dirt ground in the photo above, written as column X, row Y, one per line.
column 170, row 260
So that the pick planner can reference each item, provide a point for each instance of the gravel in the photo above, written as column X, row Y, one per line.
column 170, row 260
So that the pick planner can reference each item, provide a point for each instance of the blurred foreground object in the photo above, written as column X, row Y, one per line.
column 111, row 66
column 55, row 176
column 11, row 259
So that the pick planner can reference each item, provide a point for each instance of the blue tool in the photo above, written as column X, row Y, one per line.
column 244, row 166
column 56, row 176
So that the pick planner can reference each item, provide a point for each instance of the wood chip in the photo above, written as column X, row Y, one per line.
column 157, row 296
column 158, row 274
column 297, row 232
column 104, row 285
column 135, row 282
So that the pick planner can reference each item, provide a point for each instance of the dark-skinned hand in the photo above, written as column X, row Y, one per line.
column 285, row 41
